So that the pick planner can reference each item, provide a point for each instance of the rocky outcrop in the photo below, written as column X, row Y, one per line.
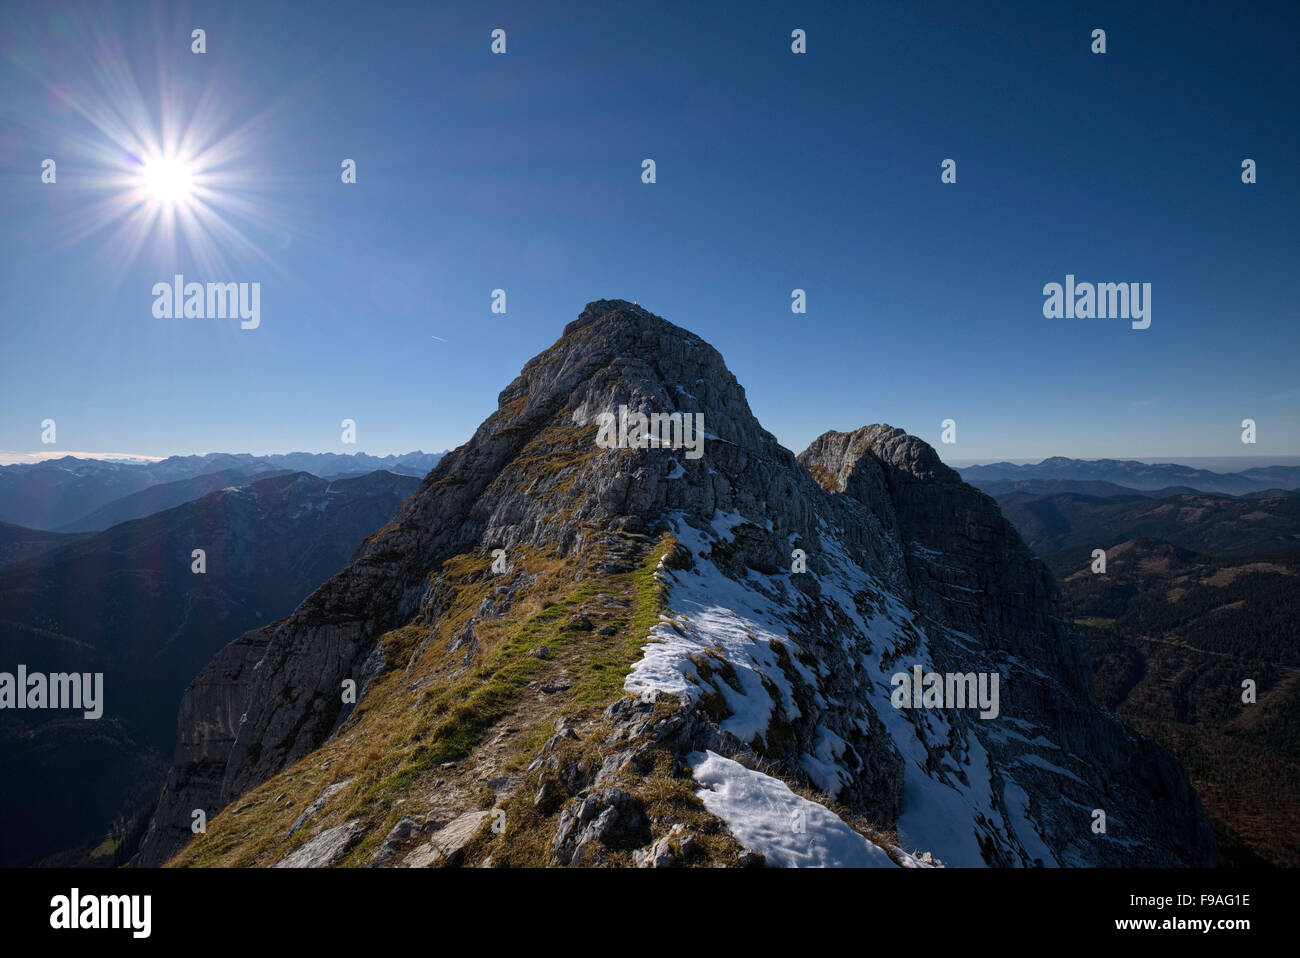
column 770, row 664
column 446, row 845
column 992, row 607
column 325, row 849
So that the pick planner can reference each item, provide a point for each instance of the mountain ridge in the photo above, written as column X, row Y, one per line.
column 770, row 667
column 59, row 494
column 148, row 622
column 1141, row 476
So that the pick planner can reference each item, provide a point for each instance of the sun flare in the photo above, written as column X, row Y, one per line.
column 167, row 181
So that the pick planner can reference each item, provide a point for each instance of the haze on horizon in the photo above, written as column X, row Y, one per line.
column 1219, row 464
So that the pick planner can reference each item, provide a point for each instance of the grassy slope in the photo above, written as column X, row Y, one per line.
column 434, row 737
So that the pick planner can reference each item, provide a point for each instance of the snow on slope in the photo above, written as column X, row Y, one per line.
column 765, row 816
column 951, row 799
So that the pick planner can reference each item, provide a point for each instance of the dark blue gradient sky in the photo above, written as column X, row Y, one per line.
column 775, row 171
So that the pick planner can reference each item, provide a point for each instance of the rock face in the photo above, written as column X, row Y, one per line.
column 796, row 592
column 324, row 849
column 447, row 843
column 989, row 606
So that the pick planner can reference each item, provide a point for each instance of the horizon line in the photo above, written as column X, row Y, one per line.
column 10, row 458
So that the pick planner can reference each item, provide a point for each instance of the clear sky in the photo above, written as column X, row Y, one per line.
column 774, row 171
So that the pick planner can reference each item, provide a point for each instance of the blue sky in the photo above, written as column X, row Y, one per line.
column 774, row 170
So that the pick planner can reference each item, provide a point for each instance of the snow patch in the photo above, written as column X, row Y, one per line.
column 765, row 816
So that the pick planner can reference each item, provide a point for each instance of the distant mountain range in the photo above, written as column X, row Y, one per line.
column 1082, row 487
column 85, row 495
column 1133, row 475
column 18, row 543
column 1169, row 630
column 165, row 495
column 126, row 602
column 1214, row 525
column 1200, row 590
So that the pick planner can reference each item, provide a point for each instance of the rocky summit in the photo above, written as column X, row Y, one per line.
column 569, row 652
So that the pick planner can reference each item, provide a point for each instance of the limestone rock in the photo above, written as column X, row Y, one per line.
column 326, row 849
column 446, row 846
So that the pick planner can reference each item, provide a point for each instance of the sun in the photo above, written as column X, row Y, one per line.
column 167, row 181
column 170, row 170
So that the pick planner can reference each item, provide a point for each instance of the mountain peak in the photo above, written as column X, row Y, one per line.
column 615, row 311
column 760, row 599
column 835, row 457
